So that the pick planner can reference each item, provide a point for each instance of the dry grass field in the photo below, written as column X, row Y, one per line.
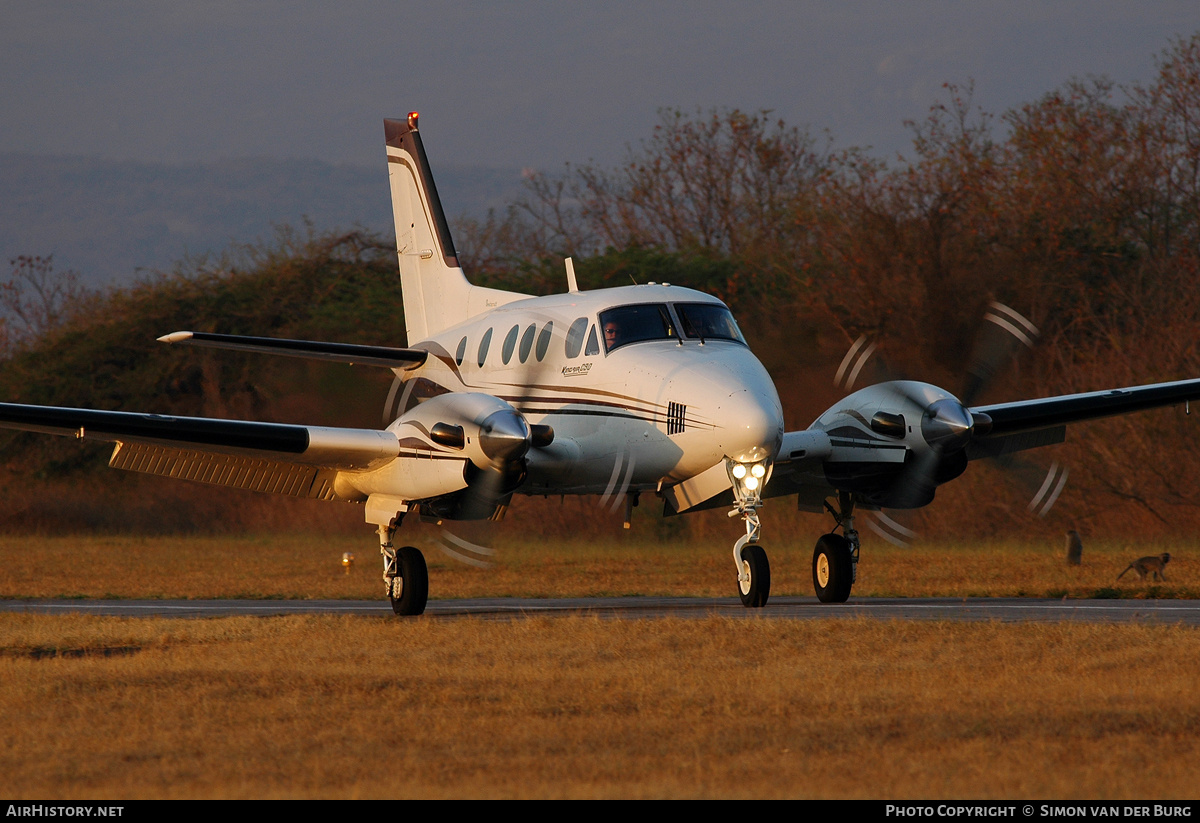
column 582, row 707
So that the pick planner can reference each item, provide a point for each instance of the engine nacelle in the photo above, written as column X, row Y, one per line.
column 479, row 427
column 894, row 443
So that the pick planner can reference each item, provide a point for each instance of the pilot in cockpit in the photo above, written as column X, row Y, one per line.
column 612, row 334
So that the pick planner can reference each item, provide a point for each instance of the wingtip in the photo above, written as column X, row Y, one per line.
column 175, row 337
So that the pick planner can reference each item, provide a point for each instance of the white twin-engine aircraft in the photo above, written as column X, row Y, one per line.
column 629, row 391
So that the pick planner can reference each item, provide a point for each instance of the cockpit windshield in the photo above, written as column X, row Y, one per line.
column 633, row 324
column 654, row 321
column 708, row 321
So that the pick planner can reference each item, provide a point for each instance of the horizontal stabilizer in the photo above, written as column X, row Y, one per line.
column 352, row 353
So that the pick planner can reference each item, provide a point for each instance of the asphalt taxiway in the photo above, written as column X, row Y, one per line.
column 1005, row 610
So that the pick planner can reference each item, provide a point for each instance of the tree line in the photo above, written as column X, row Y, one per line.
column 1080, row 209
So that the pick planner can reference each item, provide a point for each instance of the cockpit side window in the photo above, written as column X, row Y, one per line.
column 593, row 346
column 634, row 324
column 708, row 321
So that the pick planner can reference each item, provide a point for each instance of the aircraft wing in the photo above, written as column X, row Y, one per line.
column 1000, row 429
column 300, row 461
column 388, row 357
column 1026, row 424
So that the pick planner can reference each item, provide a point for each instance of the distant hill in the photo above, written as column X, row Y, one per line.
column 114, row 220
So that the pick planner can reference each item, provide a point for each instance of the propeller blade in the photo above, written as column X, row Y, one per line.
column 1047, row 494
column 488, row 492
column 618, row 481
column 946, row 428
column 1002, row 335
column 856, row 357
column 946, row 424
column 460, row 548
column 862, row 364
column 890, row 529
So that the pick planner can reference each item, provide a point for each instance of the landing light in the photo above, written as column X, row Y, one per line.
column 748, row 479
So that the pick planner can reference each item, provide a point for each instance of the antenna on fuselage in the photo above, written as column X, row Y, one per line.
column 572, row 284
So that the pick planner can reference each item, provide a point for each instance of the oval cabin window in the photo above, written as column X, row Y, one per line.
column 510, row 343
column 483, row 346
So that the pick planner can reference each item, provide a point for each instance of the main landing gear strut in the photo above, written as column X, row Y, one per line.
column 404, row 574
column 835, row 559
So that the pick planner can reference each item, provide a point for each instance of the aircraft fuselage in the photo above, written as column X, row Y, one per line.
column 639, row 413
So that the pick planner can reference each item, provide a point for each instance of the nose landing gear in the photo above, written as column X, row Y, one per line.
column 754, row 570
column 754, row 576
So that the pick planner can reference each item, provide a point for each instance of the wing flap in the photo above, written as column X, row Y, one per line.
column 235, row 471
column 1013, row 443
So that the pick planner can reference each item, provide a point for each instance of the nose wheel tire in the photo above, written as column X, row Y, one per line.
column 410, row 586
column 833, row 569
column 754, row 582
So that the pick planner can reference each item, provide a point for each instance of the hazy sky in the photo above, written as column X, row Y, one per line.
column 528, row 83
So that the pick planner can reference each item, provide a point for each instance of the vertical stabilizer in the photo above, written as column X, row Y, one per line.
column 435, row 291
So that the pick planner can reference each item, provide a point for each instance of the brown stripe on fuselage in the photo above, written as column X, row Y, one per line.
column 619, row 400
column 577, row 395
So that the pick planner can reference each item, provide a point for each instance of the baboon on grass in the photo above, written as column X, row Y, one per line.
column 1151, row 564
column 1074, row 548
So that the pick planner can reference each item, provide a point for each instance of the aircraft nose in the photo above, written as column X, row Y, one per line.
column 752, row 426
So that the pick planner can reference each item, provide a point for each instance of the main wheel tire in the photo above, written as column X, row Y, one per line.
column 833, row 570
column 755, row 591
column 412, row 577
